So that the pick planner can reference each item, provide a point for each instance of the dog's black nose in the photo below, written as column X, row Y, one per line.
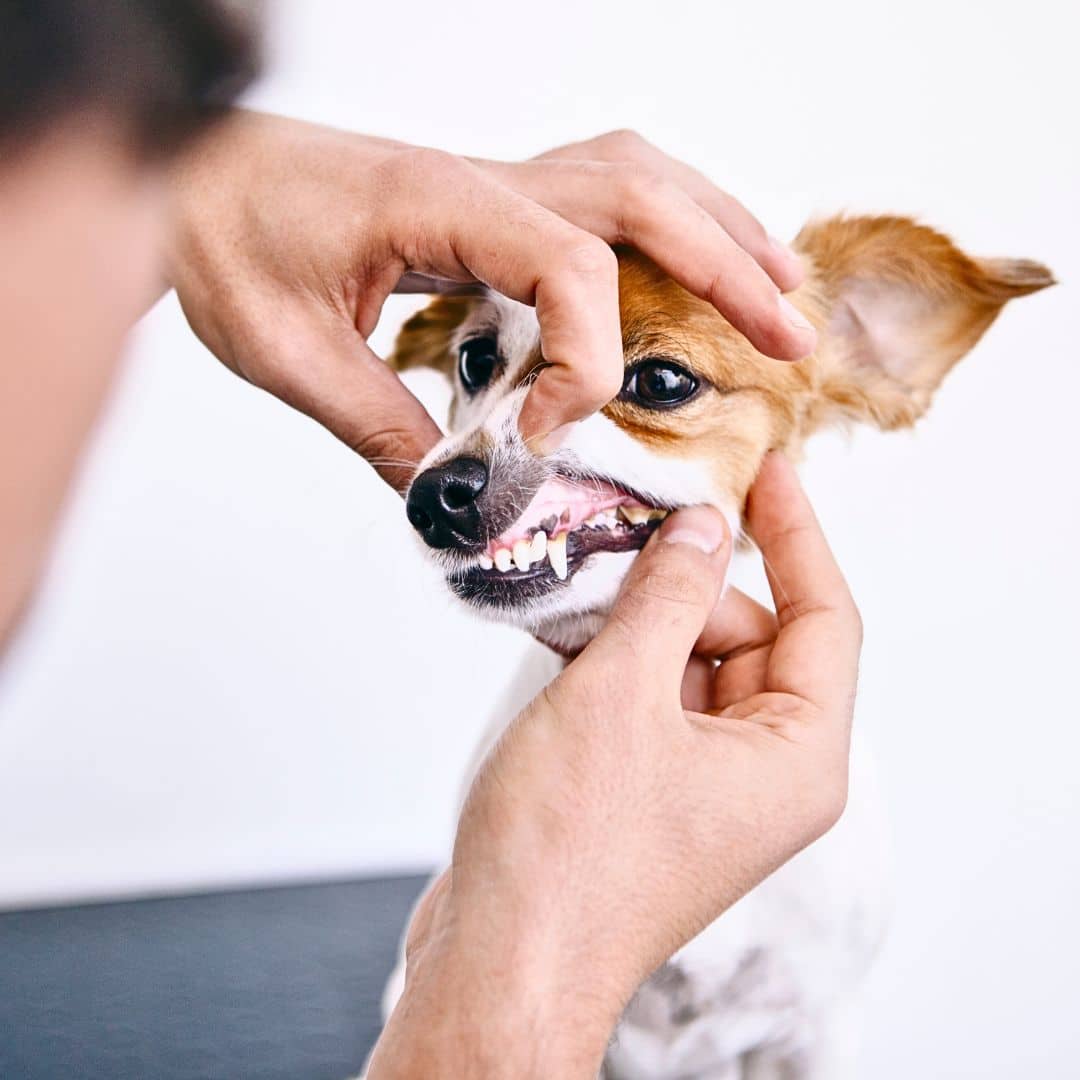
column 441, row 505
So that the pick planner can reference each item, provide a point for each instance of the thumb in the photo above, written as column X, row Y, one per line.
column 667, row 597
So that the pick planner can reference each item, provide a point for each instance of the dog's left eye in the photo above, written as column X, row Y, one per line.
column 659, row 384
column 477, row 360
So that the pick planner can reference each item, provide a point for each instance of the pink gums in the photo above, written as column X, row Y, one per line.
column 570, row 504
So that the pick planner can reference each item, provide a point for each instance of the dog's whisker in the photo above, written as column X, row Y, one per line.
column 403, row 462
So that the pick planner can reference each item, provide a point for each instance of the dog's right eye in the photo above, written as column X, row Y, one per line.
column 477, row 360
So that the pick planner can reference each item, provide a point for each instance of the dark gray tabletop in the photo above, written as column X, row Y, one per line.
column 264, row 984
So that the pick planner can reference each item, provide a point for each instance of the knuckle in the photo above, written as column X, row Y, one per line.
column 590, row 258
column 422, row 165
column 639, row 190
column 624, row 143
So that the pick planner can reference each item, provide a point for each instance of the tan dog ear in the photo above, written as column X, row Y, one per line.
column 425, row 339
column 904, row 305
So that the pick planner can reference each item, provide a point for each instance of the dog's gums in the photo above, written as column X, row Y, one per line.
column 565, row 522
column 543, row 541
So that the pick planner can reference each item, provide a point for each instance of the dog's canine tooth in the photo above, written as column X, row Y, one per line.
column 658, row 515
column 538, row 549
column 486, row 561
column 503, row 560
column 556, row 552
column 522, row 554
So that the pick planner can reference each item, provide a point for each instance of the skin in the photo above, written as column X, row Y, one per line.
column 284, row 240
column 68, row 204
column 636, row 799
column 290, row 237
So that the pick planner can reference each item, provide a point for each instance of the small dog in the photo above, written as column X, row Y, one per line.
column 767, row 991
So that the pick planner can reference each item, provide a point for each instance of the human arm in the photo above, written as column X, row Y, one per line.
column 635, row 800
column 288, row 237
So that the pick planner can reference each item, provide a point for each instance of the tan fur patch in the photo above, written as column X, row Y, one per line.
column 424, row 339
column 895, row 305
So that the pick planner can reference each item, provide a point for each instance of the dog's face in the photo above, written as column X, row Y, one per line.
column 545, row 542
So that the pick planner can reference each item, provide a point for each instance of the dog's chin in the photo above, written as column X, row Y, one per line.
column 565, row 614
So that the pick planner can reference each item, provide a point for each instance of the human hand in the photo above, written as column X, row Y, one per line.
column 289, row 237
column 611, row 823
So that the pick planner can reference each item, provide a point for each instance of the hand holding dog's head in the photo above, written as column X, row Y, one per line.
column 545, row 540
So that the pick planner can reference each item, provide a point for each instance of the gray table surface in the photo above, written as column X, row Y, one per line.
column 263, row 984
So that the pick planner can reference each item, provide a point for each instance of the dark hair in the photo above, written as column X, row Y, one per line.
column 164, row 68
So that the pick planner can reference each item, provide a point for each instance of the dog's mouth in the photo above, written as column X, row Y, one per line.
column 567, row 521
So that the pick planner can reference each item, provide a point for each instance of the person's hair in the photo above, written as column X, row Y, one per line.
column 165, row 69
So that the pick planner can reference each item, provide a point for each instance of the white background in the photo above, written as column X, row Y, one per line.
column 240, row 670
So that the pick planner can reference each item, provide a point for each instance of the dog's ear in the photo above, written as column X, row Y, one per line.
column 903, row 304
column 425, row 339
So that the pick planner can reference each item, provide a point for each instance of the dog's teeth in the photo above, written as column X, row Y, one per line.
column 556, row 552
column 539, row 547
column 636, row 515
column 503, row 560
column 486, row 562
column 596, row 521
column 522, row 554
column 657, row 515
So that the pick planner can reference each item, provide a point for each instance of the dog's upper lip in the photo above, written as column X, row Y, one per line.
column 564, row 503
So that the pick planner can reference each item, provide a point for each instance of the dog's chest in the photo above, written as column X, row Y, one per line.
column 774, row 963
column 772, row 966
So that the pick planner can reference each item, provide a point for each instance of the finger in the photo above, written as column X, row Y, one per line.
column 773, row 255
column 776, row 258
column 628, row 205
column 736, row 625
column 325, row 369
column 817, row 648
column 664, row 602
column 477, row 225
column 697, row 685
column 741, row 677
column 409, row 284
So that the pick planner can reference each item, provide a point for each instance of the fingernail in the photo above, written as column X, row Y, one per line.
column 793, row 314
column 698, row 526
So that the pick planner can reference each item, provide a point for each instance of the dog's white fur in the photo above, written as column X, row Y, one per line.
column 768, row 990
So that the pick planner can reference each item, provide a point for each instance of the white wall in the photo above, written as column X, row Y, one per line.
column 240, row 669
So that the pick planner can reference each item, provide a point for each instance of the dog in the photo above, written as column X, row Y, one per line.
column 769, row 990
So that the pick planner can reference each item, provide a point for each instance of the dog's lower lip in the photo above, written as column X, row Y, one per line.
column 495, row 588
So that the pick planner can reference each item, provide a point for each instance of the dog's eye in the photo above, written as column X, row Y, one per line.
column 659, row 384
column 477, row 360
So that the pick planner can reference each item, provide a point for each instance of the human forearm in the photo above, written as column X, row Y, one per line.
column 490, row 1005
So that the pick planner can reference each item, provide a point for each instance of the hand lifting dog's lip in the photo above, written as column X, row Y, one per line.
column 543, row 542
